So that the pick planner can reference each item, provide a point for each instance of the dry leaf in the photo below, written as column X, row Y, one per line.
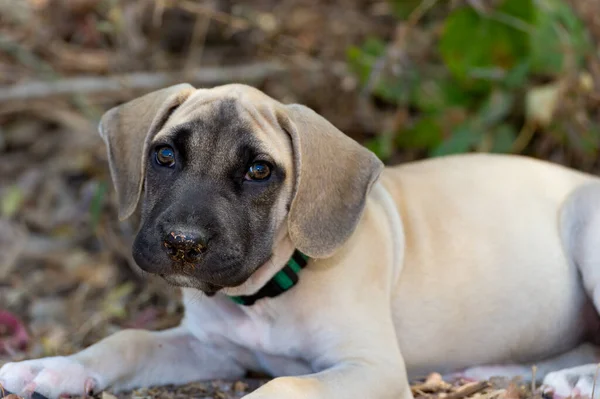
column 541, row 102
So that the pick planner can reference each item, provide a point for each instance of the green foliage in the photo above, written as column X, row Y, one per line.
column 559, row 35
column 11, row 201
column 362, row 59
column 97, row 203
column 470, row 94
column 504, row 137
column 382, row 146
column 426, row 133
column 403, row 8
column 463, row 137
column 434, row 94
column 477, row 49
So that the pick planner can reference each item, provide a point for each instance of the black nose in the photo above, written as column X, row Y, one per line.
column 184, row 247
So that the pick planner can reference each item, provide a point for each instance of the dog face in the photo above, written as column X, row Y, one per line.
column 215, row 194
column 223, row 172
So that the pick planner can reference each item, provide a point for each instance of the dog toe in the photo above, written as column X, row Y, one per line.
column 574, row 382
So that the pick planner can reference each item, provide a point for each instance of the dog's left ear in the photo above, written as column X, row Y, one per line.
column 333, row 176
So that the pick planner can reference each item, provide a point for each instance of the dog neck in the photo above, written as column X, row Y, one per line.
column 282, row 281
column 268, row 271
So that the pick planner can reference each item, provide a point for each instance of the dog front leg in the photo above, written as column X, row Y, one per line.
column 125, row 360
column 362, row 361
column 349, row 380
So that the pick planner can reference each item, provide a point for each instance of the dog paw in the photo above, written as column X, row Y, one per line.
column 573, row 382
column 50, row 377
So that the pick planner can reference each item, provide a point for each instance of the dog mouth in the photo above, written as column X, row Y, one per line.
column 186, row 281
column 180, row 280
column 190, row 275
column 183, row 267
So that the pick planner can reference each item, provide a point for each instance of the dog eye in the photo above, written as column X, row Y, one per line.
column 258, row 171
column 165, row 156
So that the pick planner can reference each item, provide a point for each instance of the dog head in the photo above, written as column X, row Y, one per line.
column 222, row 172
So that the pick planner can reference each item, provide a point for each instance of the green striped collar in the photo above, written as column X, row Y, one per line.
column 282, row 281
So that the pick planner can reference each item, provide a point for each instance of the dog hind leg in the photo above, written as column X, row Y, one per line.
column 580, row 228
column 585, row 353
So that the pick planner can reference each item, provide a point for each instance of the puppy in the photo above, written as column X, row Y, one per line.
column 339, row 277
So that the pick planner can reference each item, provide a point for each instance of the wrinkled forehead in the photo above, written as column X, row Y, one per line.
column 213, row 121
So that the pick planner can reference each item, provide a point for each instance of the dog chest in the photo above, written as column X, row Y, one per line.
column 257, row 328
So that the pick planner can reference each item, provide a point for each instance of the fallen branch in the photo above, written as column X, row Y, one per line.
column 468, row 390
column 95, row 85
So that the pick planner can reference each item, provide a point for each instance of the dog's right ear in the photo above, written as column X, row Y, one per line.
column 127, row 131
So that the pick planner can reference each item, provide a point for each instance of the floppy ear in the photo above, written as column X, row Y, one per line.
column 334, row 174
column 127, row 131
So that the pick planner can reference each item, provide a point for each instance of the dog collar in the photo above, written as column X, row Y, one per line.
column 282, row 281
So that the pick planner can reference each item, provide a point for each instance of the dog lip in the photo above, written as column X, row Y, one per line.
column 259, row 264
column 241, row 279
column 226, row 276
column 183, row 267
column 233, row 279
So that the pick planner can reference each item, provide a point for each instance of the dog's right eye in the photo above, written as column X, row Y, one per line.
column 165, row 156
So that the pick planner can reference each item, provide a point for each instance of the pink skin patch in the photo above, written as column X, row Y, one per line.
column 90, row 386
column 15, row 334
column 144, row 319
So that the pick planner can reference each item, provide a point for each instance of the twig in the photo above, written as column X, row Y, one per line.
column 88, row 85
column 468, row 390
column 395, row 48
column 201, row 25
column 420, row 11
column 432, row 383
column 238, row 24
column 477, row 5
column 524, row 137
column 219, row 16
column 511, row 21
column 501, row 17
column 493, row 394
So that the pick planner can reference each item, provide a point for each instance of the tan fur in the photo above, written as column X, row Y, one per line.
column 439, row 265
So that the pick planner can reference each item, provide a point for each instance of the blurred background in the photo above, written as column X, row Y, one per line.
column 409, row 79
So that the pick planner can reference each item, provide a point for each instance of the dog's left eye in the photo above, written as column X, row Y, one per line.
column 165, row 156
column 258, row 171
